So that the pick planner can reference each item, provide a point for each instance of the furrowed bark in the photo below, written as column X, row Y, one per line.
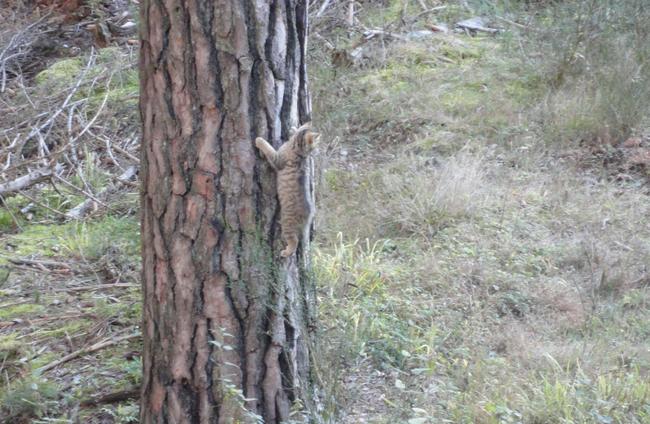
column 226, row 323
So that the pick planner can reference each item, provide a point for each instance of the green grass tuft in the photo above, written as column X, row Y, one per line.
column 27, row 398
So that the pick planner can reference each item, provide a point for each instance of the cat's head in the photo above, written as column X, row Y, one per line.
column 304, row 139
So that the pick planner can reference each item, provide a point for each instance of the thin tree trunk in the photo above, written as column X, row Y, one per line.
column 226, row 322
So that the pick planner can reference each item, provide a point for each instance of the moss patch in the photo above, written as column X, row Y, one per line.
column 20, row 311
column 61, row 74
column 88, row 240
column 10, row 348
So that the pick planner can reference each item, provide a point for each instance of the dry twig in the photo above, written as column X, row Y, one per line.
column 25, row 181
column 90, row 349
column 97, row 287
column 120, row 396
column 84, row 207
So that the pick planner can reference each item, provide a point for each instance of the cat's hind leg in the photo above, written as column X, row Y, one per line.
column 292, row 245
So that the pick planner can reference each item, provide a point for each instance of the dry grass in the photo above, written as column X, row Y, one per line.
column 482, row 275
column 417, row 196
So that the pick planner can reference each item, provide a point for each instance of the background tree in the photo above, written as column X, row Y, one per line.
column 226, row 323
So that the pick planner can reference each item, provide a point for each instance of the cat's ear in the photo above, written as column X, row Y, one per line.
column 305, row 126
column 313, row 138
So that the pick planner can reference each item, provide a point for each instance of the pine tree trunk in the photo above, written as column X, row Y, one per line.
column 226, row 322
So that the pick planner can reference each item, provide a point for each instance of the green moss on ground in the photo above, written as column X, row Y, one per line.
column 21, row 311
column 90, row 240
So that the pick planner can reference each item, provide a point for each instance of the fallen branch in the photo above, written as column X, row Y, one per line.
column 351, row 13
column 96, row 287
column 322, row 8
column 426, row 12
column 25, row 181
column 477, row 25
column 5, row 324
column 12, row 304
column 94, row 118
column 126, row 153
column 121, row 396
column 90, row 349
column 23, row 261
column 513, row 23
column 371, row 33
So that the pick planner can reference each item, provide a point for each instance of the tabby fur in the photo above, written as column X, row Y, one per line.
column 290, row 163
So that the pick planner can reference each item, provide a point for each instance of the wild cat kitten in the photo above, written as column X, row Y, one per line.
column 290, row 164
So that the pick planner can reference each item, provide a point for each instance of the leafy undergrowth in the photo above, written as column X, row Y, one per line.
column 471, row 267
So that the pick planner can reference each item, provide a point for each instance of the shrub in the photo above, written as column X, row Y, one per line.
column 594, row 56
column 27, row 398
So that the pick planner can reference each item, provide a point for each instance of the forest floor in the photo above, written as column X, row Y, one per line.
column 481, row 246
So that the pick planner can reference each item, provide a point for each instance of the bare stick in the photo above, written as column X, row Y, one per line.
column 109, row 150
column 351, row 13
column 80, row 190
column 21, row 302
column 5, row 324
column 64, row 105
column 322, row 8
column 126, row 153
column 426, row 12
column 99, row 110
column 25, row 181
column 122, row 395
column 508, row 21
column 26, row 261
column 58, row 212
column 94, row 348
column 97, row 287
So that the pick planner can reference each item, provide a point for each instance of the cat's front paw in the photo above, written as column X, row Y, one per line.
column 287, row 252
column 260, row 142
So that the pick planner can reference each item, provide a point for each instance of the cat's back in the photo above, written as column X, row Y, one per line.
column 292, row 188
